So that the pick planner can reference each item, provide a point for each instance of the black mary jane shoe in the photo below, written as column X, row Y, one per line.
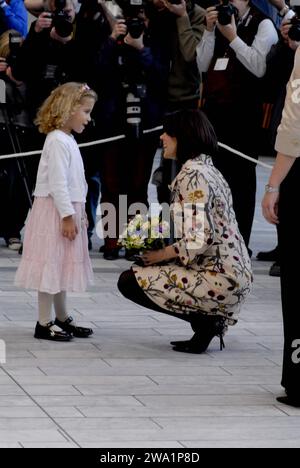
column 47, row 333
column 290, row 401
column 206, row 328
column 78, row 332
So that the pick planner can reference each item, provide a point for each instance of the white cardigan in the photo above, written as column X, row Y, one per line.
column 61, row 173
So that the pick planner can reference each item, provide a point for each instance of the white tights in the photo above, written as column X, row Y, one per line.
column 45, row 302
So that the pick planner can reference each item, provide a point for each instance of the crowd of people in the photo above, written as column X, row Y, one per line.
column 156, row 62
column 166, row 56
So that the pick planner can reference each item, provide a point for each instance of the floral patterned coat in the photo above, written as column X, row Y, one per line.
column 212, row 272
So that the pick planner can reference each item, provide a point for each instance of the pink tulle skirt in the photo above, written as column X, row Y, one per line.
column 50, row 262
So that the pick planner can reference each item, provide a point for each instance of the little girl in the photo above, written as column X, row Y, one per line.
column 55, row 255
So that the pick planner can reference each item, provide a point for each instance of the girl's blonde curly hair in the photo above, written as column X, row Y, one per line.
column 61, row 104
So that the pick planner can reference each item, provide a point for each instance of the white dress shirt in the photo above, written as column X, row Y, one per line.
column 61, row 173
column 252, row 57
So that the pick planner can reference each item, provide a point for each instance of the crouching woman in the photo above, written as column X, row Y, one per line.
column 206, row 275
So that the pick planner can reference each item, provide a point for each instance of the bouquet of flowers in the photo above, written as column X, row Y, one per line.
column 145, row 233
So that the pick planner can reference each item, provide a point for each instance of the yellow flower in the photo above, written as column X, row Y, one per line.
column 194, row 196
column 143, row 283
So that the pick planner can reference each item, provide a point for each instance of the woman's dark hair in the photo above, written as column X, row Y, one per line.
column 194, row 133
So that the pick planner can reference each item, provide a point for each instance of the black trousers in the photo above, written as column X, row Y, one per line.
column 240, row 175
column 289, row 252
column 130, row 289
column 14, row 201
column 238, row 126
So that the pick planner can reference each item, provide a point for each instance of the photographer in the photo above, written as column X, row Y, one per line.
column 186, row 24
column 48, row 56
column 13, row 15
column 94, row 26
column 14, row 132
column 132, row 68
column 233, row 52
column 183, row 26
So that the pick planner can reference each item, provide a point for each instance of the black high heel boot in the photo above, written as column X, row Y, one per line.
column 206, row 327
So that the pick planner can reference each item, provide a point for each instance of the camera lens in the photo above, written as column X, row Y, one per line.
column 135, row 27
column 63, row 27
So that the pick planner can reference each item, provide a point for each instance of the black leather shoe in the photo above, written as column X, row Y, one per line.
column 111, row 254
column 270, row 256
column 275, row 269
column 47, row 333
column 287, row 400
column 78, row 332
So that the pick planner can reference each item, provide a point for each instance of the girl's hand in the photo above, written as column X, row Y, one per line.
column 69, row 228
column 86, row 220
column 270, row 207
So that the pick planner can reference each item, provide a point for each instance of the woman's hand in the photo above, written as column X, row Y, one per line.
column 156, row 256
column 270, row 207
column 153, row 257
column 69, row 228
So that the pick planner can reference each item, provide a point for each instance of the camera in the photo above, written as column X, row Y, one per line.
column 135, row 95
column 294, row 32
column 131, row 10
column 15, row 42
column 61, row 20
column 225, row 10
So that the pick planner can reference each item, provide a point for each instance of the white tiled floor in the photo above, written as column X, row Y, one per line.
column 125, row 387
